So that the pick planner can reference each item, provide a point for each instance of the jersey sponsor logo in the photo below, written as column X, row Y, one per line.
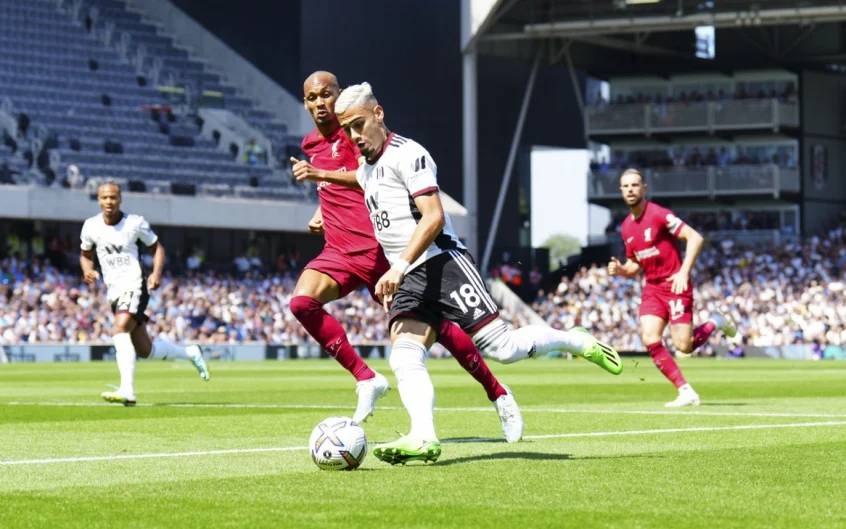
column 647, row 253
column 112, row 249
column 647, row 235
column 372, row 202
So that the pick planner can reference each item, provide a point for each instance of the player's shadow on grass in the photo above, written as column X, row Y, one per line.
column 724, row 404
column 528, row 456
column 459, row 440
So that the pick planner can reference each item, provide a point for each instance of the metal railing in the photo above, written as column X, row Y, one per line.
column 731, row 114
column 701, row 182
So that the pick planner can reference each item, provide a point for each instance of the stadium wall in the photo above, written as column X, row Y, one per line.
column 24, row 202
column 823, row 150
column 410, row 52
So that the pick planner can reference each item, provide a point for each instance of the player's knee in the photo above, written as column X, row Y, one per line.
column 407, row 354
column 123, row 323
column 502, row 343
column 649, row 338
column 683, row 345
column 301, row 306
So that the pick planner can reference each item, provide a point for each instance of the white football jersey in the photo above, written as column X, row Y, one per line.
column 404, row 171
column 117, row 250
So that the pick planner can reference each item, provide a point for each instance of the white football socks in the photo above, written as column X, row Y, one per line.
column 546, row 339
column 501, row 342
column 408, row 360
column 125, row 356
column 164, row 349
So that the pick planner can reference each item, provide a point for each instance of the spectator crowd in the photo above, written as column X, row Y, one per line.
column 793, row 293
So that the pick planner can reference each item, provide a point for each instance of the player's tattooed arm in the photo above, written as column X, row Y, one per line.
column 155, row 278
column 303, row 170
column 693, row 245
column 86, row 263
column 628, row 269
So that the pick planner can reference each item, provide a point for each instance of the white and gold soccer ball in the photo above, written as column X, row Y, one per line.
column 338, row 443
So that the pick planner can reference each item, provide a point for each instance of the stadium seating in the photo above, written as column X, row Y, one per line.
column 778, row 295
column 89, row 105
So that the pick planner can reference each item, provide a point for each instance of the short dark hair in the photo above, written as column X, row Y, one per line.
column 109, row 182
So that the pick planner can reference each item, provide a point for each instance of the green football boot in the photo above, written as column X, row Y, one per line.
column 602, row 354
column 118, row 398
column 407, row 449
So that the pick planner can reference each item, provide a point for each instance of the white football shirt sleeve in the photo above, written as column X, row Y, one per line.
column 418, row 171
column 146, row 233
column 359, row 176
column 86, row 240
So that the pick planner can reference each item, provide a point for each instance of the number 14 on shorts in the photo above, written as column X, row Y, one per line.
column 676, row 308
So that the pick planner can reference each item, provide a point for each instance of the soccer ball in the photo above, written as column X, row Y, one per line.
column 338, row 443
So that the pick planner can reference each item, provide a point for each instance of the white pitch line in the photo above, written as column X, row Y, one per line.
column 121, row 457
column 689, row 412
column 154, row 455
column 692, row 429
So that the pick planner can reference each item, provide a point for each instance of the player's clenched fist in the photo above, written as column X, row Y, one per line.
column 154, row 281
column 315, row 225
column 388, row 285
column 303, row 170
column 90, row 276
column 614, row 267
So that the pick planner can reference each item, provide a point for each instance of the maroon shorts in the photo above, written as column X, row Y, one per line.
column 351, row 271
column 657, row 299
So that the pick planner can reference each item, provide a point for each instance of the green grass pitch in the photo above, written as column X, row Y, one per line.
column 766, row 449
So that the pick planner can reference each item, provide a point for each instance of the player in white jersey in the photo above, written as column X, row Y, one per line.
column 116, row 236
column 432, row 276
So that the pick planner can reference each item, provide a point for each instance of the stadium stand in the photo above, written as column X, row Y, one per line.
column 86, row 77
column 779, row 295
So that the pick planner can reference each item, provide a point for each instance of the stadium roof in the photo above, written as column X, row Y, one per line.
column 601, row 36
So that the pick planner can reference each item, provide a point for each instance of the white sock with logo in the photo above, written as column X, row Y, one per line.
column 125, row 357
column 408, row 360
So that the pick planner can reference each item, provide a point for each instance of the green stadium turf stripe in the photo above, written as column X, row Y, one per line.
column 529, row 409
column 124, row 457
column 739, row 427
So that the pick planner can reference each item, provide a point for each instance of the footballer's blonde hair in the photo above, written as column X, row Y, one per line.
column 632, row 170
column 357, row 95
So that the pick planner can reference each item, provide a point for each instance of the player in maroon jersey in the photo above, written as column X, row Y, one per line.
column 352, row 258
column 649, row 235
